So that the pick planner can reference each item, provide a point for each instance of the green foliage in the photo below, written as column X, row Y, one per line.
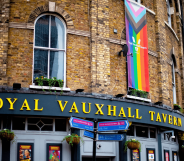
column 131, row 140
column 136, row 92
column 51, row 82
column 71, row 137
column 181, row 110
column 133, row 92
column 7, row 131
column 182, row 146
column 7, row 134
column 143, row 94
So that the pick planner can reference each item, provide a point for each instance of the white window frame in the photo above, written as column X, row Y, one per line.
column 179, row 8
column 168, row 12
column 39, row 131
column 51, row 49
column 174, row 83
column 135, row 129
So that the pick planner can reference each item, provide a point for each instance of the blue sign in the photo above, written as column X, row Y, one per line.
column 88, row 134
column 81, row 124
column 113, row 125
column 111, row 137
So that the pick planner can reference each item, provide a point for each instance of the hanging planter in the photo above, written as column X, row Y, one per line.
column 72, row 139
column 7, row 135
column 132, row 144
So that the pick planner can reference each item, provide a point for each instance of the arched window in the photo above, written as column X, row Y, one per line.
column 173, row 79
column 49, row 47
column 168, row 12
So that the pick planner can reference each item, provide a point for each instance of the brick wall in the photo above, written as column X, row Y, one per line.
column 78, row 63
column 20, row 57
column 92, row 61
column 4, row 19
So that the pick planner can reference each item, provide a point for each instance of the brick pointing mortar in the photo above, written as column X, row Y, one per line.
column 91, row 59
column 4, row 20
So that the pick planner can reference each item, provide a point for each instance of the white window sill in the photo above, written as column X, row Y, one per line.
column 49, row 88
column 139, row 98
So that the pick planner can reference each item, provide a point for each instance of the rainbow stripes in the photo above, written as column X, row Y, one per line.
column 137, row 41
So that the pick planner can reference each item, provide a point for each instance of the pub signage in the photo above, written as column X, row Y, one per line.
column 67, row 106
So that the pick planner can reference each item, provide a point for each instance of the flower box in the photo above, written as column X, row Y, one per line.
column 138, row 93
column 41, row 81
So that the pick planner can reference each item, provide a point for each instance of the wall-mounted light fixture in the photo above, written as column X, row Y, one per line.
column 16, row 86
column 115, row 31
column 119, row 95
column 158, row 103
column 125, row 50
column 79, row 90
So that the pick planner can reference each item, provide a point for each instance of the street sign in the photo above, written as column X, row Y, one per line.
column 111, row 137
column 113, row 125
column 89, row 134
column 81, row 124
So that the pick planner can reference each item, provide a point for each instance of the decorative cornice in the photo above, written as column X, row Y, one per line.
column 117, row 41
column 75, row 32
column 78, row 32
column 150, row 52
column 21, row 25
column 171, row 30
column 178, row 71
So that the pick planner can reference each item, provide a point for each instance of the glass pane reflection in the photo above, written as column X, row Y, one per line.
column 57, row 64
column 141, row 131
column 42, row 31
column 40, row 63
column 57, row 33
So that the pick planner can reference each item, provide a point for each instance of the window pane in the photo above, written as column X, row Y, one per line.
column 141, row 131
column 130, row 131
column 57, row 33
column 47, row 128
column 47, row 121
column 152, row 133
column 60, row 125
column 57, row 64
column 18, row 123
column 42, row 32
column 33, row 120
column 40, row 63
column 33, row 127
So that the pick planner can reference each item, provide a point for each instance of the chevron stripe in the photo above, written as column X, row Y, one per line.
column 137, row 41
column 136, row 19
column 136, row 13
column 136, row 26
